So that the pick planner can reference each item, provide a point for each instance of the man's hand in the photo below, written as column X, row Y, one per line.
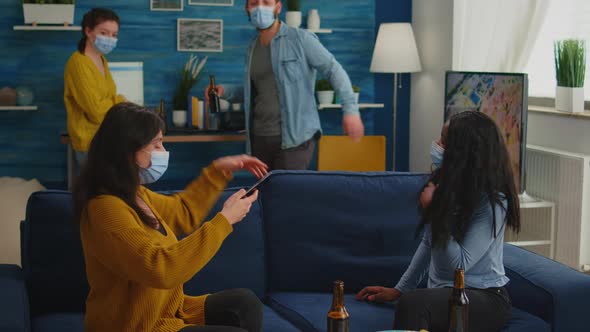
column 353, row 126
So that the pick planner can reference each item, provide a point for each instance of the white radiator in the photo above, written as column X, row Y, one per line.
column 563, row 178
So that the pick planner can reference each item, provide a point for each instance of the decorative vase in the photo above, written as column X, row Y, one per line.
column 325, row 97
column 293, row 19
column 357, row 95
column 24, row 96
column 313, row 20
column 48, row 13
column 179, row 118
column 569, row 99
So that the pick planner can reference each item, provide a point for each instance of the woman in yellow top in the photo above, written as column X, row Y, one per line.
column 135, row 265
column 89, row 89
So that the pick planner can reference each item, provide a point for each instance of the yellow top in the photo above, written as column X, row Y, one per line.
column 88, row 95
column 136, row 273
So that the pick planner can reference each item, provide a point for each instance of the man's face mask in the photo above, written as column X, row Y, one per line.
column 262, row 17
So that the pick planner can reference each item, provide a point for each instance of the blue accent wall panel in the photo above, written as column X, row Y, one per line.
column 392, row 11
column 29, row 141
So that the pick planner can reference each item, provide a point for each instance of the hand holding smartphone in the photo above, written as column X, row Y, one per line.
column 251, row 190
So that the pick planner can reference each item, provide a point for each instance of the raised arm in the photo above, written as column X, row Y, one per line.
column 113, row 235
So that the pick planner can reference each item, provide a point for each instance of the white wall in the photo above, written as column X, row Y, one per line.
column 432, row 21
column 559, row 132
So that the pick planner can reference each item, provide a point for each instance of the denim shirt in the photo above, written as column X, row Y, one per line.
column 296, row 55
column 480, row 254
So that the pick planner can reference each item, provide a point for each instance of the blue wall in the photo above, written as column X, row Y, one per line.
column 29, row 141
column 390, row 11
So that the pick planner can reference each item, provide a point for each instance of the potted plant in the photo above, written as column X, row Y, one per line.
column 293, row 17
column 49, row 11
column 324, row 92
column 357, row 92
column 570, row 68
column 188, row 78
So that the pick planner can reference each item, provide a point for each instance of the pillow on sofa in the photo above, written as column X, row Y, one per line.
column 14, row 193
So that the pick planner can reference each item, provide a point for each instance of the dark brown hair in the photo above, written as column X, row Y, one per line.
column 93, row 18
column 111, row 168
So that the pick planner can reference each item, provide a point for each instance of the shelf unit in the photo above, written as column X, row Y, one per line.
column 320, row 30
column 537, row 228
column 47, row 28
column 335, row 106
column 18, row 108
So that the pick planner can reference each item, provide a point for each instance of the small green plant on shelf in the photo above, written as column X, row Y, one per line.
column 293, row 6
column 570, row 62
column 50, row 2
column 188, row 78
column 323, row 85
column 356, row 89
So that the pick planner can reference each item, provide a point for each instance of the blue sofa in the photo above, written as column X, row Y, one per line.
column 307, row 230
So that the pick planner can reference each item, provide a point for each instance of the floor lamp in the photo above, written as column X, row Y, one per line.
column 395, row 52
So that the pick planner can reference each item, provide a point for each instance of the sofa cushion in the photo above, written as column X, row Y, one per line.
column 75, row 322
column 58, row 322
column 52, row 257
column 239, row 263
column 308, row 312
column 314, row 238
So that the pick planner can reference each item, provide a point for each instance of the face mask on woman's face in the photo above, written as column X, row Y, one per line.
column 436, row 154
column 262, row 17
column 159, row 164
column 104, row 44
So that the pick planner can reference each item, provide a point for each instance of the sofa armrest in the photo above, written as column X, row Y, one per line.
column 14, row 302
column 545, row 288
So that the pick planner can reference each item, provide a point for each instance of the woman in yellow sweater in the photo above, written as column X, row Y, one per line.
column 135, row 265
column 89, row 89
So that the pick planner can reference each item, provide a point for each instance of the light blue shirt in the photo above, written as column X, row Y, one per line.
column 480, row 254
column 296, row 55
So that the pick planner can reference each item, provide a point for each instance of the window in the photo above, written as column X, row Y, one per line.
column 564, row 19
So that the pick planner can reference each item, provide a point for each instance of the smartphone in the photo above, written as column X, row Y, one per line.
column 251, row 190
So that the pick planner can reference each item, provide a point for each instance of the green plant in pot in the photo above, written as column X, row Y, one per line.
column 49, row 11
column 357, row 92
column 188, row 78
column 293, row 16
column 324, row 92
column 570, row 69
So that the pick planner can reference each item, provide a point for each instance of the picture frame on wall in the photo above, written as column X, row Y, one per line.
column 211, row 2
column 167, row 5
column 199, row 35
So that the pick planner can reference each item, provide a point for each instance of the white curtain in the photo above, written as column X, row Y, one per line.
column 496, row 35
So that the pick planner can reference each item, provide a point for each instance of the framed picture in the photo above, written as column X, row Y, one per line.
column 211, row 2
column 167, row 5
column 199, row 35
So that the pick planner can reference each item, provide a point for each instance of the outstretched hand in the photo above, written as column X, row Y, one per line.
column 378, row 294
column 231, row 164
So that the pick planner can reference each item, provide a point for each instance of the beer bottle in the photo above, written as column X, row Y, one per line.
column 338, row 316
column 458, row 305
column 162, row 113
column 213, row 97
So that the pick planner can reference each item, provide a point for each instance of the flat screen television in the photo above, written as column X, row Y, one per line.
column 502, row 96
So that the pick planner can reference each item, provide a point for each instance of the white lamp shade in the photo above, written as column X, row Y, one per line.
column 395, row 50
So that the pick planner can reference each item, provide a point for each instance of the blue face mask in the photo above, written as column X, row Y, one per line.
column 105, row 45
column 436, row 153
column 262, row 17
column 159, row 164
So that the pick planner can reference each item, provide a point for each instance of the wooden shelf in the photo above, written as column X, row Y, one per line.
column 530, row 243
column 18, row 108
column 47, row 28
column 320, row 30
column 334, row 106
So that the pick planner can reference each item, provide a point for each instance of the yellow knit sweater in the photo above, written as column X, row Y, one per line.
column 88, row 95
column 136, row 273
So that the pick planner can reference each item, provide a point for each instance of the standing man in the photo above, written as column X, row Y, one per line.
column 282, row 119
